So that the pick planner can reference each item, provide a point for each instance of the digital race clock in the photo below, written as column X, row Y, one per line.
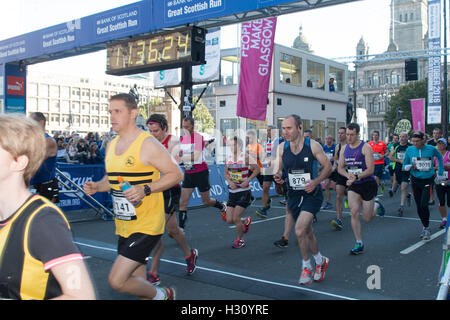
column 156, row 52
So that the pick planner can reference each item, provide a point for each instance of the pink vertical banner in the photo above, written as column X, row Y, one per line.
column 257, row 43
column 418, row 114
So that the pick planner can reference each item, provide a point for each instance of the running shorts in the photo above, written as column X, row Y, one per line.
column 442, row 193
column 367, row 190
column 341, row 180
column 137, row 247
column 303, row 201
column 239, row 199
column 49, row 190
column 171, row 199
column 379, row 169
column 198, row 180
column 400, row 175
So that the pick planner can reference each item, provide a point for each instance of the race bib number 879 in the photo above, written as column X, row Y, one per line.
column 297, row 181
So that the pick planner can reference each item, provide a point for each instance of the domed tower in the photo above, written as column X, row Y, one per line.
column 301, row 42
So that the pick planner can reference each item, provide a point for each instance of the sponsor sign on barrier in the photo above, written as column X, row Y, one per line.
column 80, row 174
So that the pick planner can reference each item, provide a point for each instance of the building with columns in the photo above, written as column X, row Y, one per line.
column 380, row 77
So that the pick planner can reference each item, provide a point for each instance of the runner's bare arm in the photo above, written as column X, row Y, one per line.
column 342, row 164
column 319, row 154
column 74, row 280
column 370, row 162
column 278, row 164
column 91, row 187
column 154, row 154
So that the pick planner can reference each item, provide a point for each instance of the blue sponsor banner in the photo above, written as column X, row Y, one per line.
column 80, row 174
column 134, row 19
column 178, row 12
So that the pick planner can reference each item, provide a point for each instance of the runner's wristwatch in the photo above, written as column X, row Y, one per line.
column 147, row 190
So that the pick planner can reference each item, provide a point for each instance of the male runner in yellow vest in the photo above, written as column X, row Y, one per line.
column 138, row 158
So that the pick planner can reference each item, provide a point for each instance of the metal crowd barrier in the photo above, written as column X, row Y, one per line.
column 99, row 208
column 444, row 282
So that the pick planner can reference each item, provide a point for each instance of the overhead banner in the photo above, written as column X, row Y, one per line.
column 257, row 42
column 211, row 70
column 434, row 62
column 418, row 114
column 134, row 19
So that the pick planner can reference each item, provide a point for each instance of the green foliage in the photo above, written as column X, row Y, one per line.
column 204, row 121
column 401, row 101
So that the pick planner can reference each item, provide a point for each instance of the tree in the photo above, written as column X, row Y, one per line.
column 204, row 121
column 401, row 101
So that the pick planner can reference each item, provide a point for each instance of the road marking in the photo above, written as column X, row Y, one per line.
column 234, row 275
column 348, row 213
column 421, row 243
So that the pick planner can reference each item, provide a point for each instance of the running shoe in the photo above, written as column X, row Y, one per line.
column 380, row 211
column 431, row 202
column 283, row 202
column 400, row 211
column 327, row 206
column 357, row 249
column 238, row 243
column 191, row 262
column 382, row 188
column 153, row 278
column 170, row 293
column 408, row 199
column 246, row 224
column 282, row 243
column 337, row 223
column 426, row 234
column 223, row 211
column 346, row 203
column 391, row 193
column 262, row 213
column 306, row 277
column 319, row 275
column 182, row 219
column 443, row 224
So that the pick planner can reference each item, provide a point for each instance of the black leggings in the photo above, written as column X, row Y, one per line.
column 421, row 192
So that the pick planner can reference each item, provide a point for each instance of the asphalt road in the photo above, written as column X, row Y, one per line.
column 396, row 264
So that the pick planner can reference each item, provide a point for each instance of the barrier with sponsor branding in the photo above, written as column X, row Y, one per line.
column 83, row 173
column 80, row 174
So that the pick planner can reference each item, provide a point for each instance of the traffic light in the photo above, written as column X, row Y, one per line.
column 411, row 70
column 349, row 112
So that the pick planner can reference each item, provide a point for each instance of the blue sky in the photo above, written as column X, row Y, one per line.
column 332, row 31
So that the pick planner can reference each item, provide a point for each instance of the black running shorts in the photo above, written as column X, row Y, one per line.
column 49, row 190
column 367, row 190
column 198, row 180
column 239, row 199
column 172, row 199
column 137, row 247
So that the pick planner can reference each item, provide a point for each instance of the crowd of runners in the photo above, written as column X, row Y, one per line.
column 150, row 193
